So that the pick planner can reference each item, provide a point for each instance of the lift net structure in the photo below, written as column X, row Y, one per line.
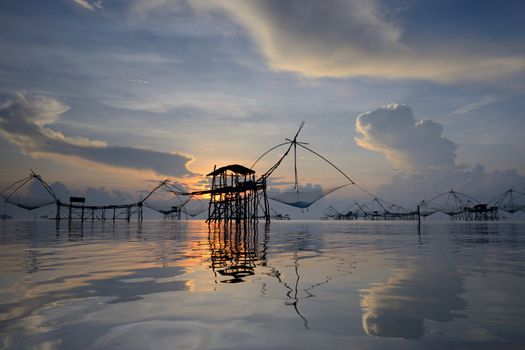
column 510, row 201
column 297, row 197
column 167, row 200
column 172, row 201
column 29, row 193
column 194, row 207
column 426, row 208
column 452, row 202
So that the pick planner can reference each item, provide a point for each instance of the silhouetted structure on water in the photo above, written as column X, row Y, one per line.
column 236, row 195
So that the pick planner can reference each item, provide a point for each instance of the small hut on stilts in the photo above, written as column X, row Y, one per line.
column 236, row 195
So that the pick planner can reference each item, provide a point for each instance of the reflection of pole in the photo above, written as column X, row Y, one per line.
column 294, row 300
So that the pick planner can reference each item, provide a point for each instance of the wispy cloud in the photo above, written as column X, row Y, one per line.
column 351, row 38
column 140, row 81
column 209, row 104
column 25, row 120
column 486, row 100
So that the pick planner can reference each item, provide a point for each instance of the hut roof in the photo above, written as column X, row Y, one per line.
column 235, row 168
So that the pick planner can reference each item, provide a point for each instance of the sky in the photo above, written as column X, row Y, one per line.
column 409, row 98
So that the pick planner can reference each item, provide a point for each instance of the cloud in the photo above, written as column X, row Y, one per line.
column 92, row 6
column 337, row 38
column 140, row 81
column 215, row 104
column 24, row 119
column 408, row 143
column 426, row 159
column 477, row 182
column 486, row 100
column 93, row 195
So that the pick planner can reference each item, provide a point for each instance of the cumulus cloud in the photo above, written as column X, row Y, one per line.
column 426, row 159
column 408, row 143
column 336, row 38
column 25, row 120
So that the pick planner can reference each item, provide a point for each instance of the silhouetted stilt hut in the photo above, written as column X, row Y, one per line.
column 236, row 195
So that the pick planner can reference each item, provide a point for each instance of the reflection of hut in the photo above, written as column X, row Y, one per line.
column 236, row 195
column 235, row 251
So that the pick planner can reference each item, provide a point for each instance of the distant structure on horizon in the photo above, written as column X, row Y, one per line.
column 458, row 206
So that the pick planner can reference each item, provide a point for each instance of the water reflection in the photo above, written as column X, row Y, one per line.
column 235, row 251
column 399, row 307
column 119, row 286
column 64, row 272
column 305, row 246
column 293, row 291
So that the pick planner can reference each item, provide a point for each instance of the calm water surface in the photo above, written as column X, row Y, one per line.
column 296, row 285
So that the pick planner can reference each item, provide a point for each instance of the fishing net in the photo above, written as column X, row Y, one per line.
column 426, row 209
column 512, row 208
column 166, row 199
column 303, row 198
column 166, row 206
column 452, row 202
column 376, row 206
column 510, row 201
column 29, row 193
column 29, row 203
column 331, row 212
column 356, row 209
column 195, row 207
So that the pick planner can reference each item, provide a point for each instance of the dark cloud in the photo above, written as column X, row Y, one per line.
column 24, row 120
column 394, row 131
